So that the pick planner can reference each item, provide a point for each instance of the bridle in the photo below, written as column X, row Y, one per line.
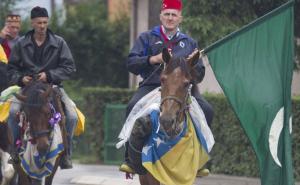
column 56, row 117
column 182, row 104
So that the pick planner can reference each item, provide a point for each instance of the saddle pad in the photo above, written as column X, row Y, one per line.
column 80, row 123
column 4, row 111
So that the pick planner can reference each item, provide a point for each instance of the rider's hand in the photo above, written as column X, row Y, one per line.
column 5, row 32
column 157, row 59
column 26, row 80
column 193, row 53
column 42, row 77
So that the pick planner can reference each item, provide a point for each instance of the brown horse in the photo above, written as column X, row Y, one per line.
column 175, row 83
column 39, row 104
column 7, row 170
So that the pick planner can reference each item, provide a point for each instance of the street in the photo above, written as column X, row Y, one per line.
column 109, row 175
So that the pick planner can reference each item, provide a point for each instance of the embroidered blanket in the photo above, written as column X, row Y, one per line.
column 36, row 165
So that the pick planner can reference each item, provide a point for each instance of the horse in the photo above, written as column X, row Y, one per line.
column 7, row 170
column 176, row 79
column 41, row 111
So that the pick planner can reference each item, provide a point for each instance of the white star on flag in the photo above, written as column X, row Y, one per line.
column 146, row 149
column 158, row 141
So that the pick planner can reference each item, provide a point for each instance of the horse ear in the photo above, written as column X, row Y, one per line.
column 166, row 55
column 194, row 58
column 47, row 92
column 20, row 97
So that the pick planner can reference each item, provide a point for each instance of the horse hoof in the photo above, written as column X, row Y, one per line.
column 127, row 169
column 203, row 172
column 66, row 162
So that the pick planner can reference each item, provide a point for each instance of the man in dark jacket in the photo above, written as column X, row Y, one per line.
column 43, row 53
column 8, row 38
column 145, row 58
column 9, row 35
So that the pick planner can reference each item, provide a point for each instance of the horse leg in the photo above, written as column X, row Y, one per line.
column 49, row 179
column 148, row 179
column 143, row 180
column 36, row 182
column 151, row 179
column 23, row 179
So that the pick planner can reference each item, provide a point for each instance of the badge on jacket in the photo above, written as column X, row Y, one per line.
column 181, row 44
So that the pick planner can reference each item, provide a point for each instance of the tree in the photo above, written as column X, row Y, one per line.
column 99, row 47
column 6, row 6
column 208, row 21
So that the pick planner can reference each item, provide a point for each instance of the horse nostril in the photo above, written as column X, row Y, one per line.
column 43, row 148
column 166, row 121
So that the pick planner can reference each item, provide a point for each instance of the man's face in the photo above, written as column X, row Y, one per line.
column 40, row 25
column 170, row 19
column 13, row 29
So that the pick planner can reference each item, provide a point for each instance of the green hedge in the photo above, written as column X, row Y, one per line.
column 92, row 103
column 232, row 153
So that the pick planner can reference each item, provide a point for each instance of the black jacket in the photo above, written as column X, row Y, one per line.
column 57, row 60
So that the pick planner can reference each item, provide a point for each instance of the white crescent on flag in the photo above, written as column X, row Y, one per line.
column 275, row 131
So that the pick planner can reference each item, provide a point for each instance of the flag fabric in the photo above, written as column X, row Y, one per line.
column 174, row 161
column 254, row 67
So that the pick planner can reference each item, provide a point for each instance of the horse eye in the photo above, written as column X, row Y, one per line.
column 186, row 83
column 163, row 79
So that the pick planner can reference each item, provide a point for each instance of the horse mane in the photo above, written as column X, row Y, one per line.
column 33, row 93
column 178, row 62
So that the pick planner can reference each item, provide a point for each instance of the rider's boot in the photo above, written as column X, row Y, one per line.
column 203, row 172
column 126, row 168
column 125, row 165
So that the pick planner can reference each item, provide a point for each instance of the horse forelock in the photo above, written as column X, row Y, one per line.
column 175, row 63
column 34, row 96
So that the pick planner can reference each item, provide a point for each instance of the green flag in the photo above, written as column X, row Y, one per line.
column 254, row 68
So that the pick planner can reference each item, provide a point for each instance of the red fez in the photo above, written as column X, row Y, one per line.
column 13, row 18
column 171, row 4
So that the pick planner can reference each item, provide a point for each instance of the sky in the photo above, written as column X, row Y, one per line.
column 23, row 7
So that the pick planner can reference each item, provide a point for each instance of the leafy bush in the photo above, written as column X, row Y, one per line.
column 93, row 105
column 99, row 47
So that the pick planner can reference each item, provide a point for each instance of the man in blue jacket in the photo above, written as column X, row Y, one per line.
column 145, row 58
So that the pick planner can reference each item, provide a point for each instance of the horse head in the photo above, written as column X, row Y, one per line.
column 175, row 83
column 38, row 111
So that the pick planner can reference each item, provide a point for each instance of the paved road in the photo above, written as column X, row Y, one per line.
column 109, row 175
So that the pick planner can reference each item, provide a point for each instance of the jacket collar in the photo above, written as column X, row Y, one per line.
column 51, row 40
column 179, row 36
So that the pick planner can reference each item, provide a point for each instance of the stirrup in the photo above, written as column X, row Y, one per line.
column 125, row 168
column 203, row 172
